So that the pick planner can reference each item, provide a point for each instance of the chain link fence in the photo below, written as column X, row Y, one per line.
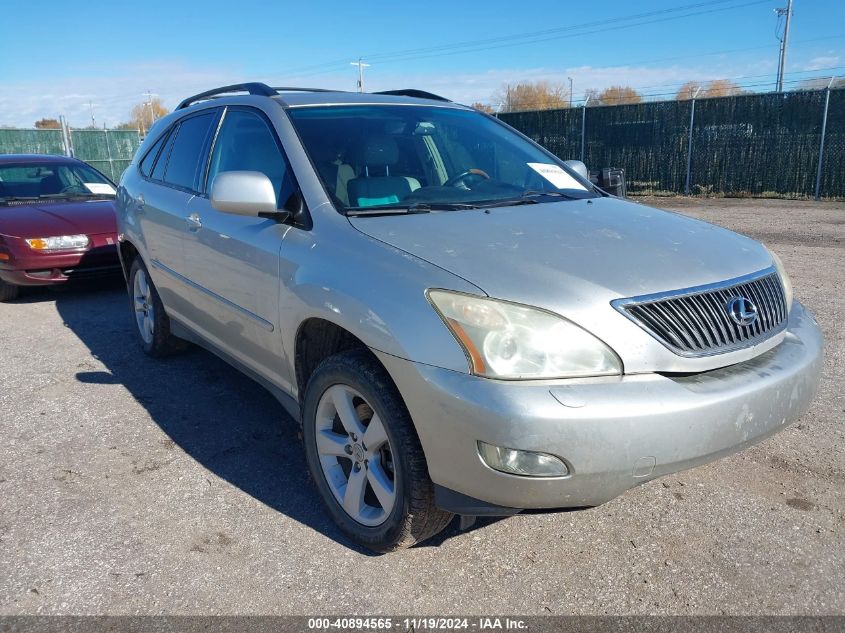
column 109, row 151
column 747, row 145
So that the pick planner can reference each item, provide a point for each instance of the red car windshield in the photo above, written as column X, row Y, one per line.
column 52, row 181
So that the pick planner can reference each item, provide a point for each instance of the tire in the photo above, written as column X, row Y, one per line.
column 8, row 291
column 356, row 383
column 151, row 321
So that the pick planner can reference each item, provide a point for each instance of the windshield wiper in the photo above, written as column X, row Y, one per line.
column 416, row 207
column 532, row 193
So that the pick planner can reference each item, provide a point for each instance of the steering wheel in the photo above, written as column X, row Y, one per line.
column 458, row 181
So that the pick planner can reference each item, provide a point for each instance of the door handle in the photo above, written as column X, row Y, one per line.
column 194, row 222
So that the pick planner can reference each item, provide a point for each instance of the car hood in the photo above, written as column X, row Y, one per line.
column 91, row 217
column 574, row 257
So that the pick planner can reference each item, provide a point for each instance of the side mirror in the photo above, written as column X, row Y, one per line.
column 248, row 193
column 578, row 167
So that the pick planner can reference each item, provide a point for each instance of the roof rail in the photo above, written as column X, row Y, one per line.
column 291, row 89
column 253, row 88
column 412, row 92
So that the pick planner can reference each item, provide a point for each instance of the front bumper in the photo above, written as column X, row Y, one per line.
column 613, row 433
column 26, row 267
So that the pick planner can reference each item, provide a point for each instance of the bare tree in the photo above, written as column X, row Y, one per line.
column 48, row 124
column 539, row 95
column 615, row 95
column 688, row 90
column 721, row 88
column 146, row 113
column 483, row 107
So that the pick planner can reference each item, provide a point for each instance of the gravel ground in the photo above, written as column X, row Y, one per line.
column 129, row 485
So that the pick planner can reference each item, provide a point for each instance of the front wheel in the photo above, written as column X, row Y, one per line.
column 365, row 457
column 151, row 321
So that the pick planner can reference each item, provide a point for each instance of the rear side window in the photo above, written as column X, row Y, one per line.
column 161, row 163
column 188, row 151
column 150, row 158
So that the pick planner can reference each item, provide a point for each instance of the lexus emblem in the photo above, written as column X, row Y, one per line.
column 742, row 311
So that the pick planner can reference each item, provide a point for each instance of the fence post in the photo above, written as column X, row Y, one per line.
column 65, row 136
column 584, row 125
column 689, row 141
column 821, row 142
column 108, row 149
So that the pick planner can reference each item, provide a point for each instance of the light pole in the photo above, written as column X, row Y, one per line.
column 570, row 91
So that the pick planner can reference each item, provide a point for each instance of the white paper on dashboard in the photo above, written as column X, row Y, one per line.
column 555, row 175
column 99, row 188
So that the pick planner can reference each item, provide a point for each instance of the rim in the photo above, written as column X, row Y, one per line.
column 143, row 302
column 355, row 455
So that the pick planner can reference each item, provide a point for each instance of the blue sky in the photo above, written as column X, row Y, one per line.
column 55, row 57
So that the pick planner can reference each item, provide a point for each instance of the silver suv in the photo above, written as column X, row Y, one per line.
column 461, row 322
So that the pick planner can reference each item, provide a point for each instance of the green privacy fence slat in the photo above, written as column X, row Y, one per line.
column 757, row 145
column 833, row 162
column 110, row 151
column 31, row 142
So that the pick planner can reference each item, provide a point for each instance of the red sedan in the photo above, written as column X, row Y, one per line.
column 56, row 222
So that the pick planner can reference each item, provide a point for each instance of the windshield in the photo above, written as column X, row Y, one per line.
column 57, row 180
column 383, row 157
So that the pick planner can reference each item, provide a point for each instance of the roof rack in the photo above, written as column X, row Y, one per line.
column 253, row 88
column 290, row 89
column 412, row 92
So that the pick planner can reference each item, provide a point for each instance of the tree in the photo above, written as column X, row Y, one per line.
column 146, row 113
column 540, row 95
column 484, row 108
column 688, row 90
column 48, row 124
column 617, row 95
column 721, row 88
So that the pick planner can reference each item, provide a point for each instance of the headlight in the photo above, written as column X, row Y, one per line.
column 510, row 341
column 59, row 243
column 784, row 278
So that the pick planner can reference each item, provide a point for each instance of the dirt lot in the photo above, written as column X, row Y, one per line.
column 129, row 485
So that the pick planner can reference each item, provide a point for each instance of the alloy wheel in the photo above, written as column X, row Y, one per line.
column 355, row 455
column 143, row 303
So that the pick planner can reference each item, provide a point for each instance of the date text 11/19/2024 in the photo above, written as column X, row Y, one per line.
column 426, row 623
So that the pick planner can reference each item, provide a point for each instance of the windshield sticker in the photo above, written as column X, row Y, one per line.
column 555, row 175
column 100, row 188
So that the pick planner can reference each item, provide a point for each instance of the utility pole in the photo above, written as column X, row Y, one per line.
column 91, row 106
column 570, row 91
column 784, row 43
column 149, row 95
column 361, row 65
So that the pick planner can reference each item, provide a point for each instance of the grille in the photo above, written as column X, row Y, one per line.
column 696, row 321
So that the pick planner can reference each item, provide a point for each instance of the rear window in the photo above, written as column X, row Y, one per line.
column 187, row 152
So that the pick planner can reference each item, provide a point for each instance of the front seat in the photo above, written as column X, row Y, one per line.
column 376, row 185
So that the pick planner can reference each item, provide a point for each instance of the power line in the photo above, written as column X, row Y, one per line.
column 531, row 37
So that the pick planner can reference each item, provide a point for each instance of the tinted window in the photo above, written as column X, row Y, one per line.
column 149, row 159
column 161, row 163
column 187, row 152
column 246, row 143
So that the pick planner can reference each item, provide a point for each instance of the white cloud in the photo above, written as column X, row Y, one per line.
column 822, row 61
column 115, row 89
